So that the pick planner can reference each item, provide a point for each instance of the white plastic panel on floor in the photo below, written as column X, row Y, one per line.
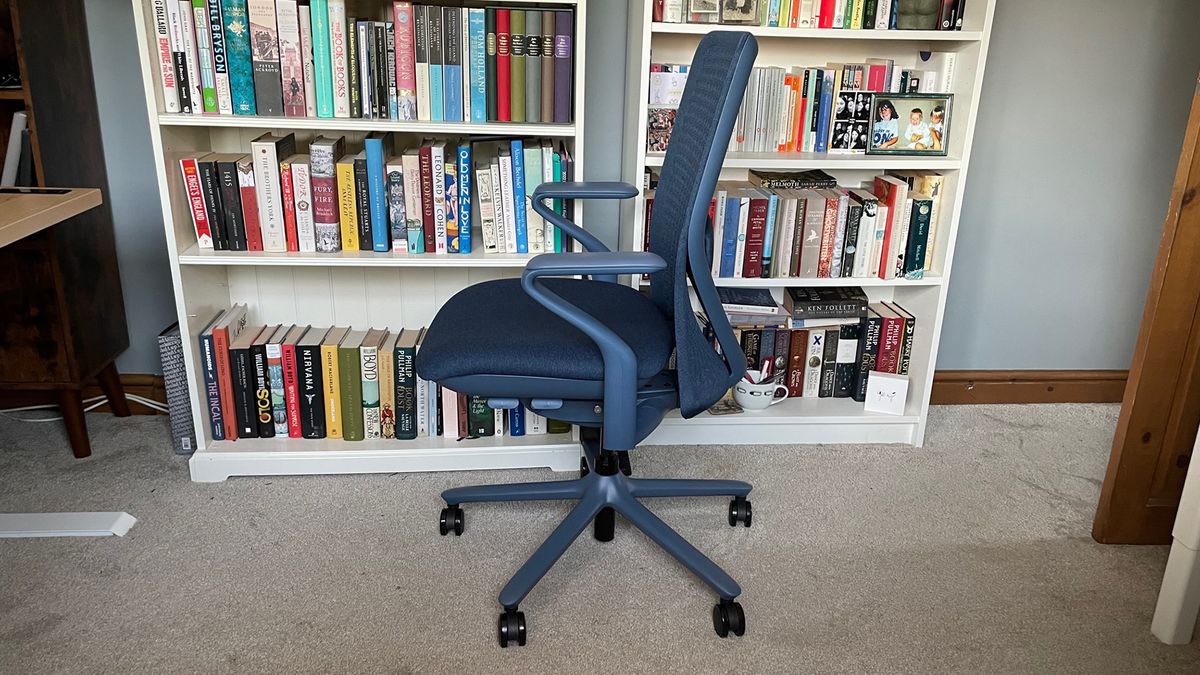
column 86, row 524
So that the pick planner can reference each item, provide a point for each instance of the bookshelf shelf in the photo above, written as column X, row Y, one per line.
column 823, row 420
column 823, row 33
column 477, row 258
column 363, row 125
column 359, row 289
column 293, row 456
column 822, row 160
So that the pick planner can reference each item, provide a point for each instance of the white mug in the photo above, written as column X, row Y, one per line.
column 758, row 396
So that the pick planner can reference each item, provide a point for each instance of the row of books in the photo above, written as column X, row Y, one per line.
column 804, row 109
column 309, row 382
column 833, row 14
column 422, row 200
column 803, row 225
column 308, row 58
column 824, row 341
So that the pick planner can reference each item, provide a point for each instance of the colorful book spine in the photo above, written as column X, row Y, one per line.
column 266, row 154
column 262, row 395
column 249, row 201
column 918, row 237
column 322, row 58
column 279, row 415
column 516, row 421
column 212, row 202
column 311, row 396
column 547, row 113
column 264, row 57
column 452, row 67
column 288, row 200
column 406, row 395
column 306, row 60
column 428, row 226
column 490, row 45
column 362, row 203
column 165, row 59
column 397, row 217
column 503, row 66
column 323, row 155
column 386, row 368
column 564, row 29
column 212, row 388
column 231, row 205
column 347, row 204
column 516, row 60
column 533, row 66
column 437, row 158
column 534, row 225
column 218, row 43
column 204, row 35
column 477, row 49
column 291, row 391
column 406, row 74
column 451, row 199
column 377, row 191
column 518, row 192
column 421, row 59
column 411, row 171
column 437, row 94
column 465, row 186
column 350, row 374
column 179, row 56
column 331, row 389
column 390, row 32
column 340, row 57
column 236, row 22
column 369, row 359
column 306, row 232
column 291, row 65
column 195, row 196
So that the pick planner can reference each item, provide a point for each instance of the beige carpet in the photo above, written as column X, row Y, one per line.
column 971, row 554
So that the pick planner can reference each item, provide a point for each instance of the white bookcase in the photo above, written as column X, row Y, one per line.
column 361, row 289
column 825, row 420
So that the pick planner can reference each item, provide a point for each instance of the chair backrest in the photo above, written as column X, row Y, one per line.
column 679, row 223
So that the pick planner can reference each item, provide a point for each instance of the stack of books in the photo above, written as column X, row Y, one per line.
column 802, row 225
column 425, row 199
column 832, row 14
column 803, row 108
column 309, row 382
column 397, row 61
column 821, row 342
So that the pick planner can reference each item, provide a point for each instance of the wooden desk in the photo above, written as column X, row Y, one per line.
column 51, row 322
column 34, row 209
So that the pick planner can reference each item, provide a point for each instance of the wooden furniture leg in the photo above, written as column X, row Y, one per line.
column 110, row 384
column 70, row 402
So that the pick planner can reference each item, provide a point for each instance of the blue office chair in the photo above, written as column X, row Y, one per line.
column 594, row 353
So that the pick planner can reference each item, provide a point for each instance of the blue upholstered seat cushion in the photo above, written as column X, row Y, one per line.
column 495, row 328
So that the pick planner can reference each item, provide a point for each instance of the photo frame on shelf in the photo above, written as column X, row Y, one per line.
column 910, row 124
column 740, row 11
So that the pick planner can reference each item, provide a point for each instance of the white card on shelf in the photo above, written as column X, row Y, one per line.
column 886, row 393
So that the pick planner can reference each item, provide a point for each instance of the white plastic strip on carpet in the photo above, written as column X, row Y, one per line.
column 86, row 524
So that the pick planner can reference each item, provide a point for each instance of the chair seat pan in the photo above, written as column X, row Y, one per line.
column 495, row 328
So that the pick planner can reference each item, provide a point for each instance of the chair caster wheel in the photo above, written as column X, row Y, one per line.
column 728, row 617
column 452, row 520
column 739, row 512
column 583, row 467
column 511, row 628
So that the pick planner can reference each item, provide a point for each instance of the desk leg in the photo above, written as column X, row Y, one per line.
column 70, row 402
column 110, row 384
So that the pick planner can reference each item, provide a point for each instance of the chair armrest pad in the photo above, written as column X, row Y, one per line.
column 619, row 262
column 585, row 190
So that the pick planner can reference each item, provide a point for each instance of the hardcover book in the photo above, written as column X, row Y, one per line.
column 195, row 196
column 564, row 30
column 306, row 60
column 164, row 56
column 339, row 45
column 291, row 65
column 323, row 154
column 547, row 76
column 491, row 46
column 406, row 383
column 406, row 75
column 212, row 386
column 227, row 331
column 239, row 63
column 249, row 201
column 411, row 171
column 350, row 384
column 306, row 236
column 347, row 203
column 274, row 353
column 243, row 387
column 829, row 362
column 503, row 66
column 421, row 60
column 311, row 393
column 212, row 200
column 437, row 101
column 825, row 302
column 452, row 66
column 369, row 369
column 231, row 200
column 263, row 402
column 291, row 379
column 533, row 66
column 477, row 49
column 516, row 51
column 331, row 380
column 377, row 146
column 264, row 57
column 396, row 216
column 322, row 58
column 451, row 205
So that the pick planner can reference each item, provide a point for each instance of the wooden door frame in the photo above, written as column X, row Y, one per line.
column 1160, row 411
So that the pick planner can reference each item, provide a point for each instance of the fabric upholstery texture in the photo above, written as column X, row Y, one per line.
column 495, row 328
column 681, row 203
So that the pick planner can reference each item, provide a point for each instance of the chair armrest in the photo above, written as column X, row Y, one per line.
column 601, row 264
column 578, row 190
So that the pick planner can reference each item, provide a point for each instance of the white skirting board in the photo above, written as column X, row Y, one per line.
column 87, row 524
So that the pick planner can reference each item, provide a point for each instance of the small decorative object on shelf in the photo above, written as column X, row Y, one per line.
column 910, row 124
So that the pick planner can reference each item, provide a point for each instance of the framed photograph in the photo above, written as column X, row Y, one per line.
column 739, row 11
column 910, row 124
column 704, row 6
column 851, row 119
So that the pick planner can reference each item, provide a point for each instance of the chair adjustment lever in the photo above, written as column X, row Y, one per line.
column 546, row 403
column 503, row 403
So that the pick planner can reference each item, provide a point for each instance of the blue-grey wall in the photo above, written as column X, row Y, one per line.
column 1082, row 115
column 132, row 187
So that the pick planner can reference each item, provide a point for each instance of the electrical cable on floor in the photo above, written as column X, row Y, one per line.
column 92, row 403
